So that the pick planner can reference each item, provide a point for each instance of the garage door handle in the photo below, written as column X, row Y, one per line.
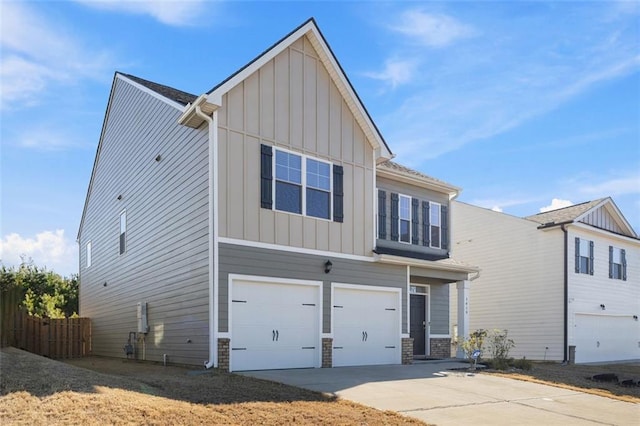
column 277, row 335
column 365, row 336
column 273, row 335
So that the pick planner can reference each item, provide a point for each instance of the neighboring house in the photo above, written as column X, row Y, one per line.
column 563, row 283
column 262, row 225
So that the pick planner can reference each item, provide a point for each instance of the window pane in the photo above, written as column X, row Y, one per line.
column 584, row 264
column 435, row 236
column 617, row 271
column 435, row 215
column 318, row 175
column 617, row 256
column 288, row 167
column 584, row 247
column 405, row 231
column 123, row 222
column 405, row 208
column 318, row 203
column 288, row 197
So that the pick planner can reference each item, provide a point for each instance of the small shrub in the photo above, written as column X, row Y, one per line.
column 500, row 344
column 522, row 364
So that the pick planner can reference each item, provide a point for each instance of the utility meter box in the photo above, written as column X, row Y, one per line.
column 143, row 324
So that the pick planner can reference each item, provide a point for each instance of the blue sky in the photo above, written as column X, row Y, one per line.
column 518, row 103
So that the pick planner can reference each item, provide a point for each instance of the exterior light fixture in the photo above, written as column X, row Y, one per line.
column 327, row 266
column 635, row 317
column 119, row 197
column 158, row 158
column 602, row 306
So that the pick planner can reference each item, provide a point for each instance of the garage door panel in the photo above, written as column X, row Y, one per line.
column 274, row 325
column 601, row 338
column 366, row 326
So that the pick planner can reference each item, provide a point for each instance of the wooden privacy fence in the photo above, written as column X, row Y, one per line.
column 53, row 338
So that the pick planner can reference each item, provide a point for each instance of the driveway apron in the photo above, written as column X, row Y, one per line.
column 432, row 392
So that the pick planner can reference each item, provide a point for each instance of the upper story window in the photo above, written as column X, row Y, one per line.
column 303, row 185
column 123, row 231
column 88, row 254
column 435, row 224
column 404, row 218
column 617, row 263
column 584, row 256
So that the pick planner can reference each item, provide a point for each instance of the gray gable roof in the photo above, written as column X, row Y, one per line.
column 565, row 214
column 176, row 95
column 392, row 165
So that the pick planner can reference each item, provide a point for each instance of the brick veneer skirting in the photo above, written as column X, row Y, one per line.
column 223, row 354
column 327, row 352
column 407, row 350
column 440, row 347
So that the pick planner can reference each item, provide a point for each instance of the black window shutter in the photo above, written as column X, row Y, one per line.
column 266, row 176
column 382, row 214
column 577, row 255
column 590, row 257
column 394, row 217
column 444, row 221
column 623, row 259
column 425, row 224
column 610, row 261
column 415, row 221
column 338, row 193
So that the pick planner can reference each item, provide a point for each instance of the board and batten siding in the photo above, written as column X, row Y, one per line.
column 292, row 103
column 587, row 292
column 166, row 258
column 521, row 282
column 235, row 259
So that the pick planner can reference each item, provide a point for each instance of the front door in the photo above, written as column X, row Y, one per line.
column 418, row 324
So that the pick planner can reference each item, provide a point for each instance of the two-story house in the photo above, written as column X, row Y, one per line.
column 263, row 225
column 564, row 283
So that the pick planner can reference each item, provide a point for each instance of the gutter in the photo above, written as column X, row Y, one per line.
column 212, row 123
column 566, row 291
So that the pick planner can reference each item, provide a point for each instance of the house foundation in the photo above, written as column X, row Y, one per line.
column 407, row 350
column 223, row 354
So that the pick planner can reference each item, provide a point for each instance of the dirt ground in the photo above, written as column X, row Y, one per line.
column 36, row 391
column 580, row 377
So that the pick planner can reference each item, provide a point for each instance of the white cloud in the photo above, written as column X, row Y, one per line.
column 556, row 204
column 50, row 249
column 395, row 73
column 37, row 53
column 496, row 209
column 170, row 12
column 510, row 72
column 432, row 30
column 614, row 186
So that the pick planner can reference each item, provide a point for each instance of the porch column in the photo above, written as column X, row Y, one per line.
column 463, row 314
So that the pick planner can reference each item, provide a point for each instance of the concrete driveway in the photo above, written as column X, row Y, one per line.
column 430, row 392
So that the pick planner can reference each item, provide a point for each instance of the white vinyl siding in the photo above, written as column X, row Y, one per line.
column 404, row 219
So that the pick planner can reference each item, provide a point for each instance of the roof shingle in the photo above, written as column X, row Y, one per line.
column 565, row 214
column 175, row 95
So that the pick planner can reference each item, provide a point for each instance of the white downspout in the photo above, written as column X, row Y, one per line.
column 212, row 123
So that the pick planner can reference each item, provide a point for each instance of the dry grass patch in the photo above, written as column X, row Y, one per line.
column 578, row 377
column 35, row 390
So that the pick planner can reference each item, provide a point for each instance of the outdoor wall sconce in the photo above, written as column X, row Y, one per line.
column 119, row 197
column 635, row 317
column 327, row 266
column 158, row 158
column 602, row 306
column 105, row 284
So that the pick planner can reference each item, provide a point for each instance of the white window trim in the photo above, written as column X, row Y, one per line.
column 400, row 197
column 303, row 184
column 439, row 226
column 88, row 254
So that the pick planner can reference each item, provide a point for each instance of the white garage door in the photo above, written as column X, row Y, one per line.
column 366, row 326
column 274, row 325
column 606, row 338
